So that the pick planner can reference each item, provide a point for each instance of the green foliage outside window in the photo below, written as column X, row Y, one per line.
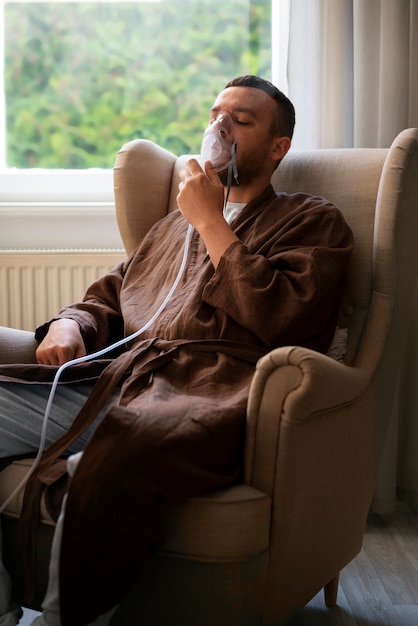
column 84, row 78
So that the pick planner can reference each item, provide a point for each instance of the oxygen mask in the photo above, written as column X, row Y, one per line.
column 219, row 144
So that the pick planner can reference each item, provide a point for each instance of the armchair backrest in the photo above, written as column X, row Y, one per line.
column 376, row 189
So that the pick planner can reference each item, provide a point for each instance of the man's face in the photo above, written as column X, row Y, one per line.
column 252, row 112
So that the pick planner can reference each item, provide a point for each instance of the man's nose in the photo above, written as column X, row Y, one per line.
column 225, row 124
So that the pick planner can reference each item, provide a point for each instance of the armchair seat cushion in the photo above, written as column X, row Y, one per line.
column 11, row 477
column 231, row 524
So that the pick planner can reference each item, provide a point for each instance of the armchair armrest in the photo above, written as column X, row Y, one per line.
column 17, row 346
column 310, row 447
column 291, row 385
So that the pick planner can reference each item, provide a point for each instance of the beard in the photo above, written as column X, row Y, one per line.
column 223, row 177
column 249, row 168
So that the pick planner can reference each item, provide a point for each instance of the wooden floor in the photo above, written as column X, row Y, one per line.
column 380, row 587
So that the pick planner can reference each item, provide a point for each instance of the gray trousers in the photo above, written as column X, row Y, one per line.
column 22, row 409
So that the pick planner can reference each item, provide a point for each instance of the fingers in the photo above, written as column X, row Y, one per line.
column 53, row 356
column 194, row 168
column 201, row 193
column 211, row 173
column 186, row 174
column 57, row 355
column 62, row 343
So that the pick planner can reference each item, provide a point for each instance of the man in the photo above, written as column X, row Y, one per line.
column 167, row 416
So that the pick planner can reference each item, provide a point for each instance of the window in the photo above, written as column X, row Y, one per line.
column 82, row 78
column 79, row 79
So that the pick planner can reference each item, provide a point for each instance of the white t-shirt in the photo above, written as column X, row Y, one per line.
column 233, row 209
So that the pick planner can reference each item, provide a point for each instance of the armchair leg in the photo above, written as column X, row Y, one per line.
column 330, row 591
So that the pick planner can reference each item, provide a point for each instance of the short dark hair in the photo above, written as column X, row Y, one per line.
column 285, row 122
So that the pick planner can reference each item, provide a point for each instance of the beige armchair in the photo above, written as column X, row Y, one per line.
column 251, row 554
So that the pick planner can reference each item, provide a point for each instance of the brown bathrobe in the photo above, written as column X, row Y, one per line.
column 179, row 429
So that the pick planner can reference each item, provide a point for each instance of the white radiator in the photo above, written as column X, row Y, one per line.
column 36, row 284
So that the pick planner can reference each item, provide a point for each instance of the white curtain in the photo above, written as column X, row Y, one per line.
column 352, row 74
column 353, row 71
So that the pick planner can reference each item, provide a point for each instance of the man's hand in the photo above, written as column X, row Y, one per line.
column 201, row 194
column 200, row 200
column 63, row 342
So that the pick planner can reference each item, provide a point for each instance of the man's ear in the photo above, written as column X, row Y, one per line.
column 280, row 148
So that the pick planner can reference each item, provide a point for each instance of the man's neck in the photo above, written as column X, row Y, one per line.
column 246, row 193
